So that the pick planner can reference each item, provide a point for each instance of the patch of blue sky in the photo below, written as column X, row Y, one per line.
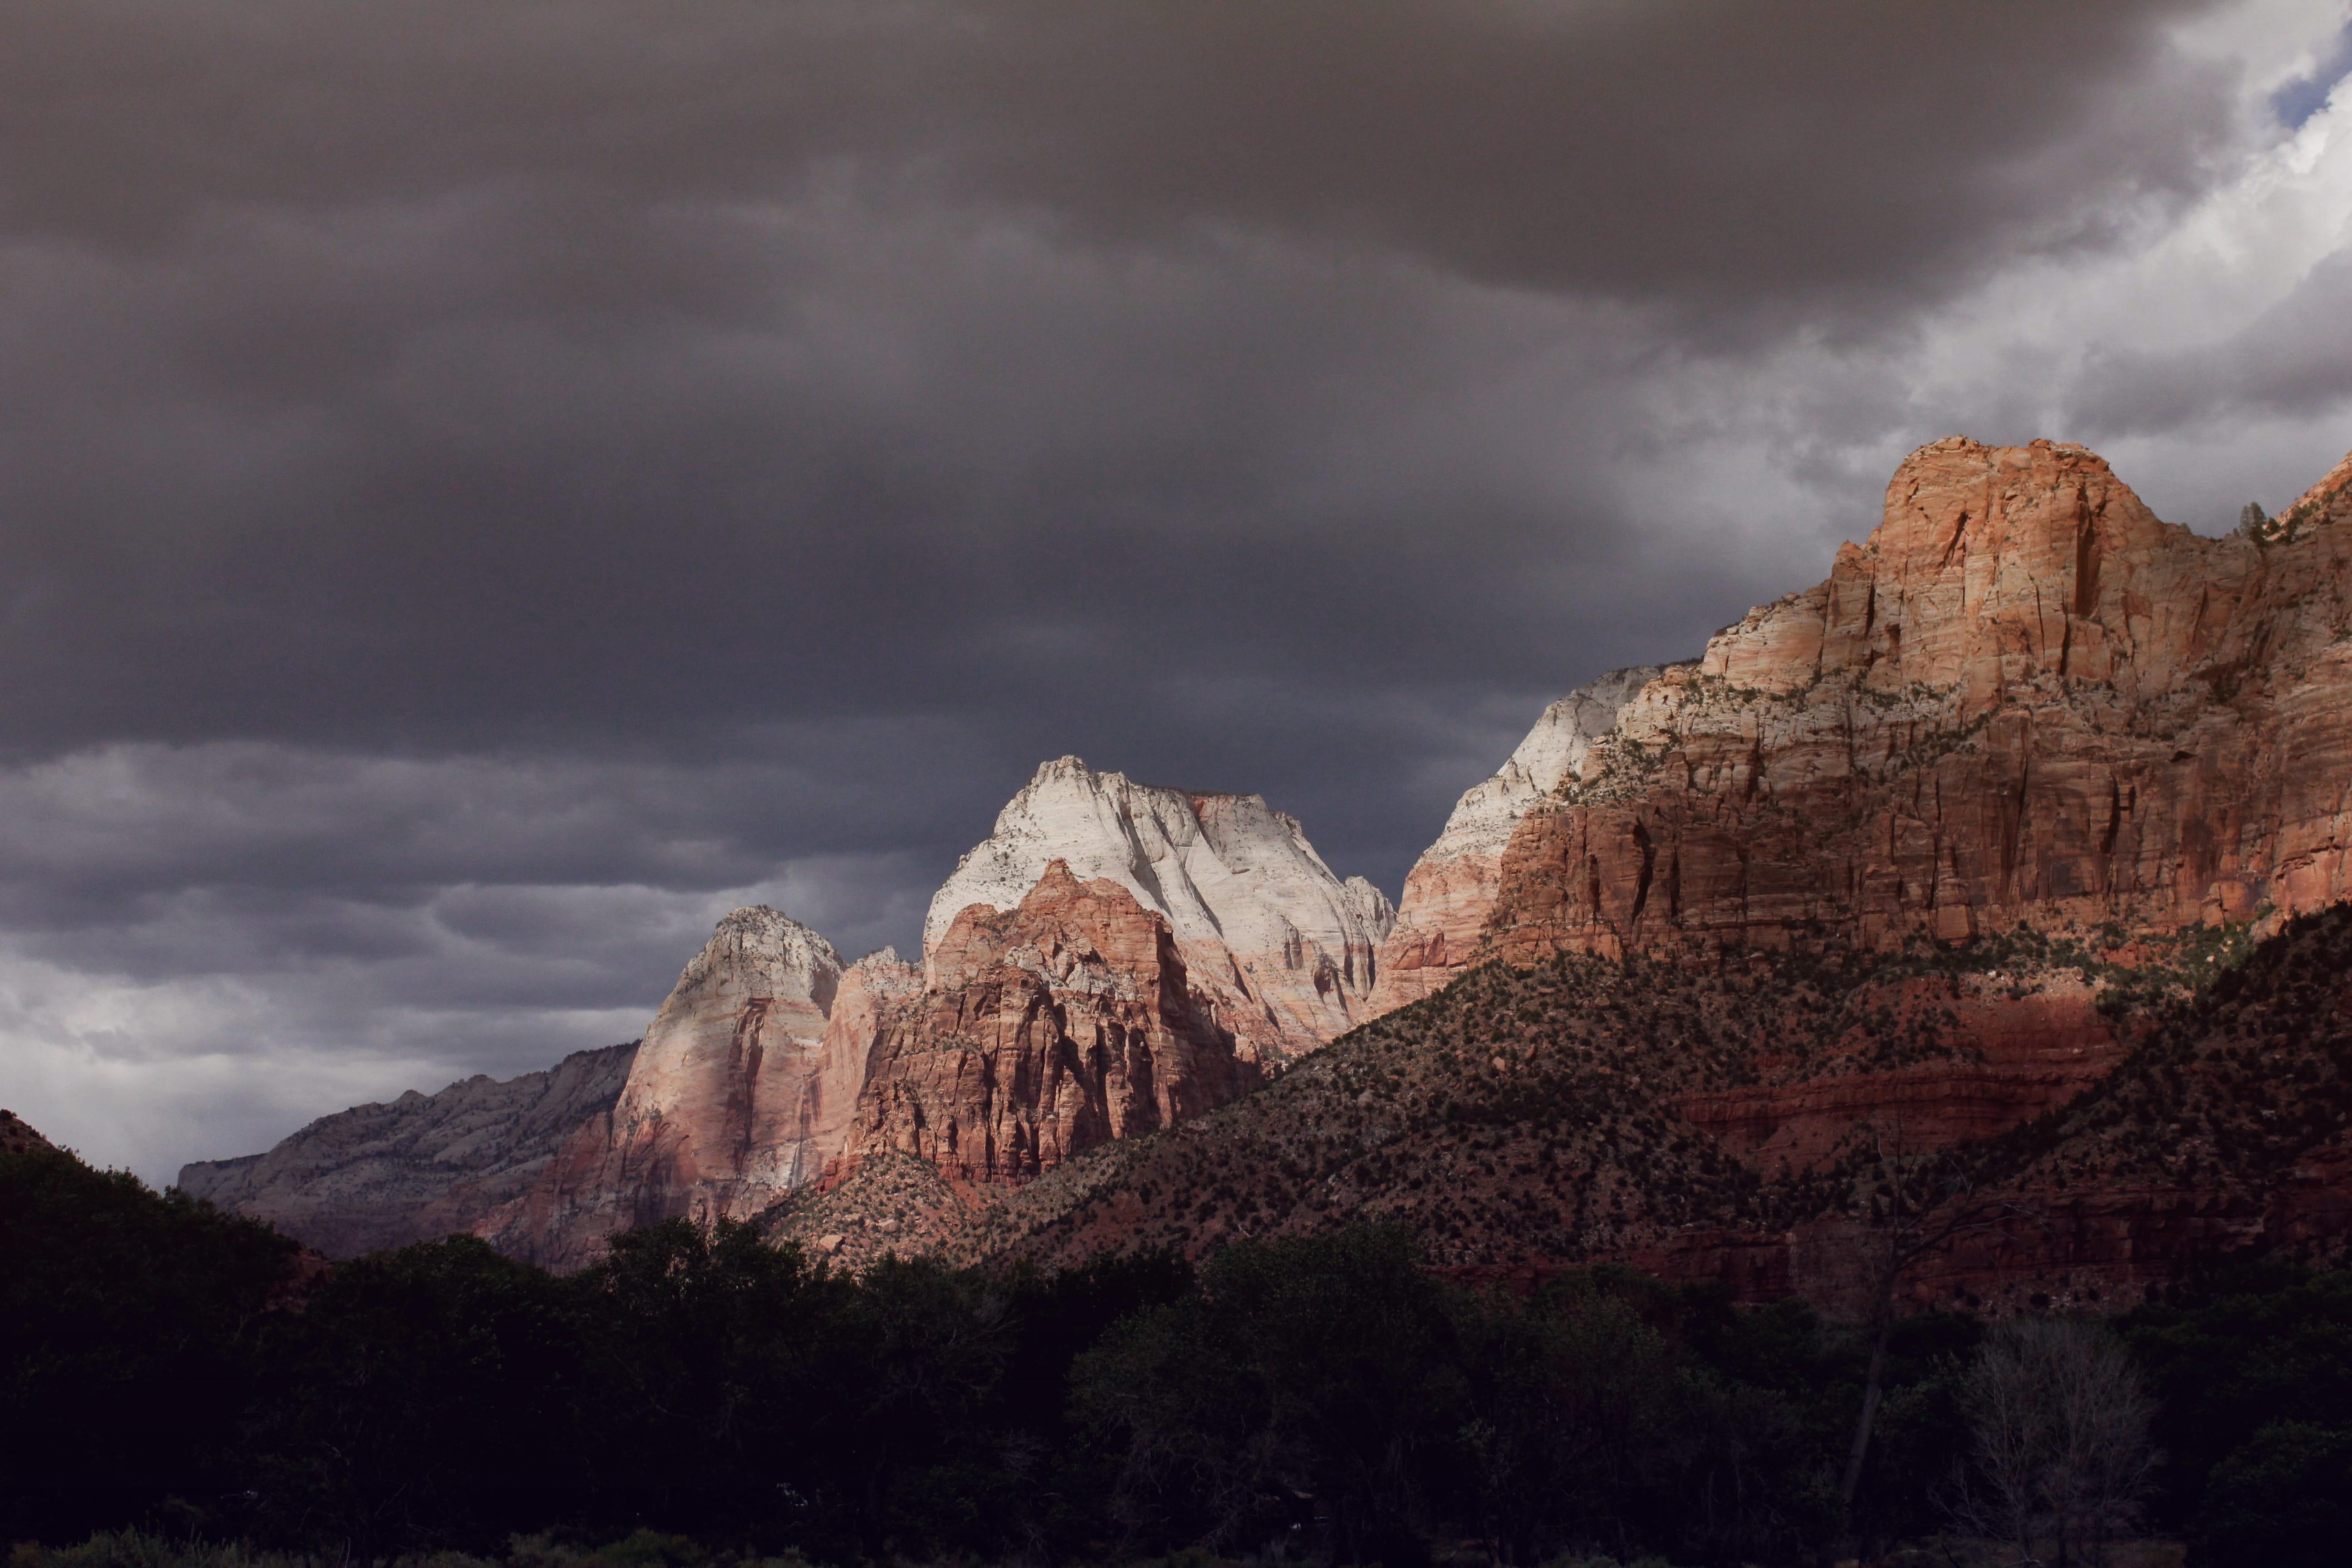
column 2299, row 100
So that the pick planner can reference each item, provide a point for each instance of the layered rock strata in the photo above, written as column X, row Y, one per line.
column 2024, row 698
column 421, row 1166
column 1285, row 950
column 1064, row 1022
column 2006, row 1055
column 1441, row 922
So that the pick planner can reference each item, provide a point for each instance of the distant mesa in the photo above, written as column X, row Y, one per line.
column 2023, row 710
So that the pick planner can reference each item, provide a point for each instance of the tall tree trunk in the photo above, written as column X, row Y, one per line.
column 1873, row 1389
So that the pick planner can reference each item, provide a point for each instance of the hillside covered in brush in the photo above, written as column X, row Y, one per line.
column 1752, row 1118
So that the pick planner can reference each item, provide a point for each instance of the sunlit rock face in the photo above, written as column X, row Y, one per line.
column 2023, row 697
column 1284, row 951
column 1046, row 1030
column 420, row 1167
column 1449, row 896
column 728, row 1106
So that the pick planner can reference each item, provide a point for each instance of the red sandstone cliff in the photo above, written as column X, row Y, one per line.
column 1062, row 1023
column 2023, row 699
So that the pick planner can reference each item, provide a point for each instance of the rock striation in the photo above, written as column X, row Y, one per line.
column 1440, row 927
column 419, row 1166
column 2023, row 699
column 1044, row 1030
column 1287, row 951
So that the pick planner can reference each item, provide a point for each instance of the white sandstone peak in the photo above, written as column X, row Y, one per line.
column 1440, row 925
column 1222, row 867
column 1371, row 906
column 1284, row 949
column 1553, row 752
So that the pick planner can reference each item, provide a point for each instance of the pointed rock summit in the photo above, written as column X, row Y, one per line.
column 1285, row 948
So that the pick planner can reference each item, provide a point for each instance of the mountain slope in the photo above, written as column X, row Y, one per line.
column 1745, row 1122
column 422, row 1165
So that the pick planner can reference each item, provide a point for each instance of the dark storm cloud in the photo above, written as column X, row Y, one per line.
column 484, row 484
column 436, row 369
column 1634, row 148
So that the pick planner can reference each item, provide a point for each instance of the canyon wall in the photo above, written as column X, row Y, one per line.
column 2022, row 703
column 1440, row 927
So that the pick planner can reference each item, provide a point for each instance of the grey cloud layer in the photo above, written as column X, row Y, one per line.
column 482, row 482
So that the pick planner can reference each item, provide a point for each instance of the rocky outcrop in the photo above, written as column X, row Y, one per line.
column 732, row 1100
column 1285, row 950
column 1044, row 1030
column 17, row 1137
column 2024, row 698
column 1449, row 896
column 420, row 1167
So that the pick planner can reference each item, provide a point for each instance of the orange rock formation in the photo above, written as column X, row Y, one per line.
column 1045, row 1030
column 2024, row 698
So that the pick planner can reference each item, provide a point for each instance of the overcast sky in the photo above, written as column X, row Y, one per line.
column 485, row 488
